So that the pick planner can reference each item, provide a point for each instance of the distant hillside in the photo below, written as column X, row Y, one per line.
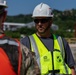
column 19, row 18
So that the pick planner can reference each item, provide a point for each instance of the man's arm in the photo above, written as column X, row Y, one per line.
column 29, row 64
column 73, row 71
column 69, row 57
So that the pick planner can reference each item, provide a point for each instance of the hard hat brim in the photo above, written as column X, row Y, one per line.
column 41, row 16
column 3, row 5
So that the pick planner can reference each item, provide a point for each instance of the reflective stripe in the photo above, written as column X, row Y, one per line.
column 61, row 46
column 9, row 42
column 66, row 68
column 35, row 50
column 62, row 52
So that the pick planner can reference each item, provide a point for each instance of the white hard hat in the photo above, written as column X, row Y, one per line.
column 42, row 10
column 3, row 3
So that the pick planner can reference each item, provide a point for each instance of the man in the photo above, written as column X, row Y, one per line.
column 15, row 58
column 52, row 52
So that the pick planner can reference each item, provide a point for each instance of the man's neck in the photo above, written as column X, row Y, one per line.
column 44, row 35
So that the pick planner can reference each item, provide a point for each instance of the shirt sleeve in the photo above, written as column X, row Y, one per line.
column 26, row 42
column 69, row 59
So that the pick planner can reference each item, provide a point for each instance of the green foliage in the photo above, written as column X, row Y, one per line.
column 26, row 30
column 19, row 18
column 17, row 33
column 64, row 33
column 12, row 34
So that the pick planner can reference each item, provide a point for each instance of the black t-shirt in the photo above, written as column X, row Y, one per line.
column 49, row 44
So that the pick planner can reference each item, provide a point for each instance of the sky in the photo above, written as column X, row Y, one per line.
column 16, row 7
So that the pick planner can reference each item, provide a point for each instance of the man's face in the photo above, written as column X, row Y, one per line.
column 2, row 16
column 1, row 19
column 42, row 24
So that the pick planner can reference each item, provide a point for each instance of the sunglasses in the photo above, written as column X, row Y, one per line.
column 44, row 20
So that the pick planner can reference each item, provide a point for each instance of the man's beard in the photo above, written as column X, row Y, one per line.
column 44, row 30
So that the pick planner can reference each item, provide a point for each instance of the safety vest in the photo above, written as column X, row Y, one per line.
column 50, row 62
column 6, row 46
